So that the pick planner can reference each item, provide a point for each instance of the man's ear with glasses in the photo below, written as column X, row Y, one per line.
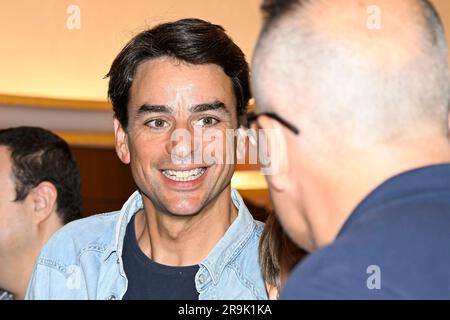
column 274, row 139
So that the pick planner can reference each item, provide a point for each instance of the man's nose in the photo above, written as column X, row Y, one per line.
column 184, row 142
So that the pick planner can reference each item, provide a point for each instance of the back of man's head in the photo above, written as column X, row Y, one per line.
column 368, row 72
column 38, row 155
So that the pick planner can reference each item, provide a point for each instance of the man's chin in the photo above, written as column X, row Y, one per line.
column 184, row 208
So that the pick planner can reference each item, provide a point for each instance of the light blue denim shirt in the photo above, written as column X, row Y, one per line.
column 83, row 260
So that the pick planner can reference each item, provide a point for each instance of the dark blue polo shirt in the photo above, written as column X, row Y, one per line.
column 395, row 245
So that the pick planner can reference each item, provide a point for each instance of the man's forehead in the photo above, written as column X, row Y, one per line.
column 165, row 81
column 174, row 69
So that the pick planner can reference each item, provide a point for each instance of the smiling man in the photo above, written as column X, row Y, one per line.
column 185, row 234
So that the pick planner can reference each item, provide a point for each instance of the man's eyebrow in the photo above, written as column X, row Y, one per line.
column 150, row 108
column 212, row 106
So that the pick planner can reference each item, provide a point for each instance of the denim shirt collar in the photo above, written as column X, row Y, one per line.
column 233, row 240
column 132, row 206
column 225, row 250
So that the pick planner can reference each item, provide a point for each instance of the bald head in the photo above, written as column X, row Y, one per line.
column 368, row 71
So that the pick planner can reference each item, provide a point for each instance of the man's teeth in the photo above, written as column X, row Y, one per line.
column 184, row 175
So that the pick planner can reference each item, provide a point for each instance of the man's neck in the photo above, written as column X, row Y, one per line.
column 17, row 267
column 344, row 187
column 184, row 241
column 16, row 271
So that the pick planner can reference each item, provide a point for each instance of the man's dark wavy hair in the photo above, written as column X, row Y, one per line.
column 38, row 155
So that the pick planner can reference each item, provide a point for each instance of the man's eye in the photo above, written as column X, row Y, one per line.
column 207, row 121
column 157, row 123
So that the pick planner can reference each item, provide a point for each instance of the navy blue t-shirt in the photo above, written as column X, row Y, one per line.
column 153, row 281
column 395, row 245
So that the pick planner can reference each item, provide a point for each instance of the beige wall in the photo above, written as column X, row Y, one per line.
column 39, row 56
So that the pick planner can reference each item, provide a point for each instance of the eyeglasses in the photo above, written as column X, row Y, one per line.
column 253, row 117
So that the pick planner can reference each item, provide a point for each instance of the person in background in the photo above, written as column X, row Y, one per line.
column 40, row 193
column 278, row 255
column 354, row 96
column 185, row 234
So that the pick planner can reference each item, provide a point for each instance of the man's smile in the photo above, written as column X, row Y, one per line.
column 184, row 175
column 184, row 178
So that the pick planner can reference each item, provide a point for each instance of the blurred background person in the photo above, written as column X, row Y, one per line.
column 40, row 192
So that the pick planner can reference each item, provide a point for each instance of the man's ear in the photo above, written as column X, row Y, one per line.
column 121, row 142
column 42, row 201
column 274, row 139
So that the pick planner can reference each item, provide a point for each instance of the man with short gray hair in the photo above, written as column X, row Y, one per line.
column 354, row 98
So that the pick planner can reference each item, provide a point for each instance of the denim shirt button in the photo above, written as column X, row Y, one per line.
column 202, row 279
column 112, row 297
